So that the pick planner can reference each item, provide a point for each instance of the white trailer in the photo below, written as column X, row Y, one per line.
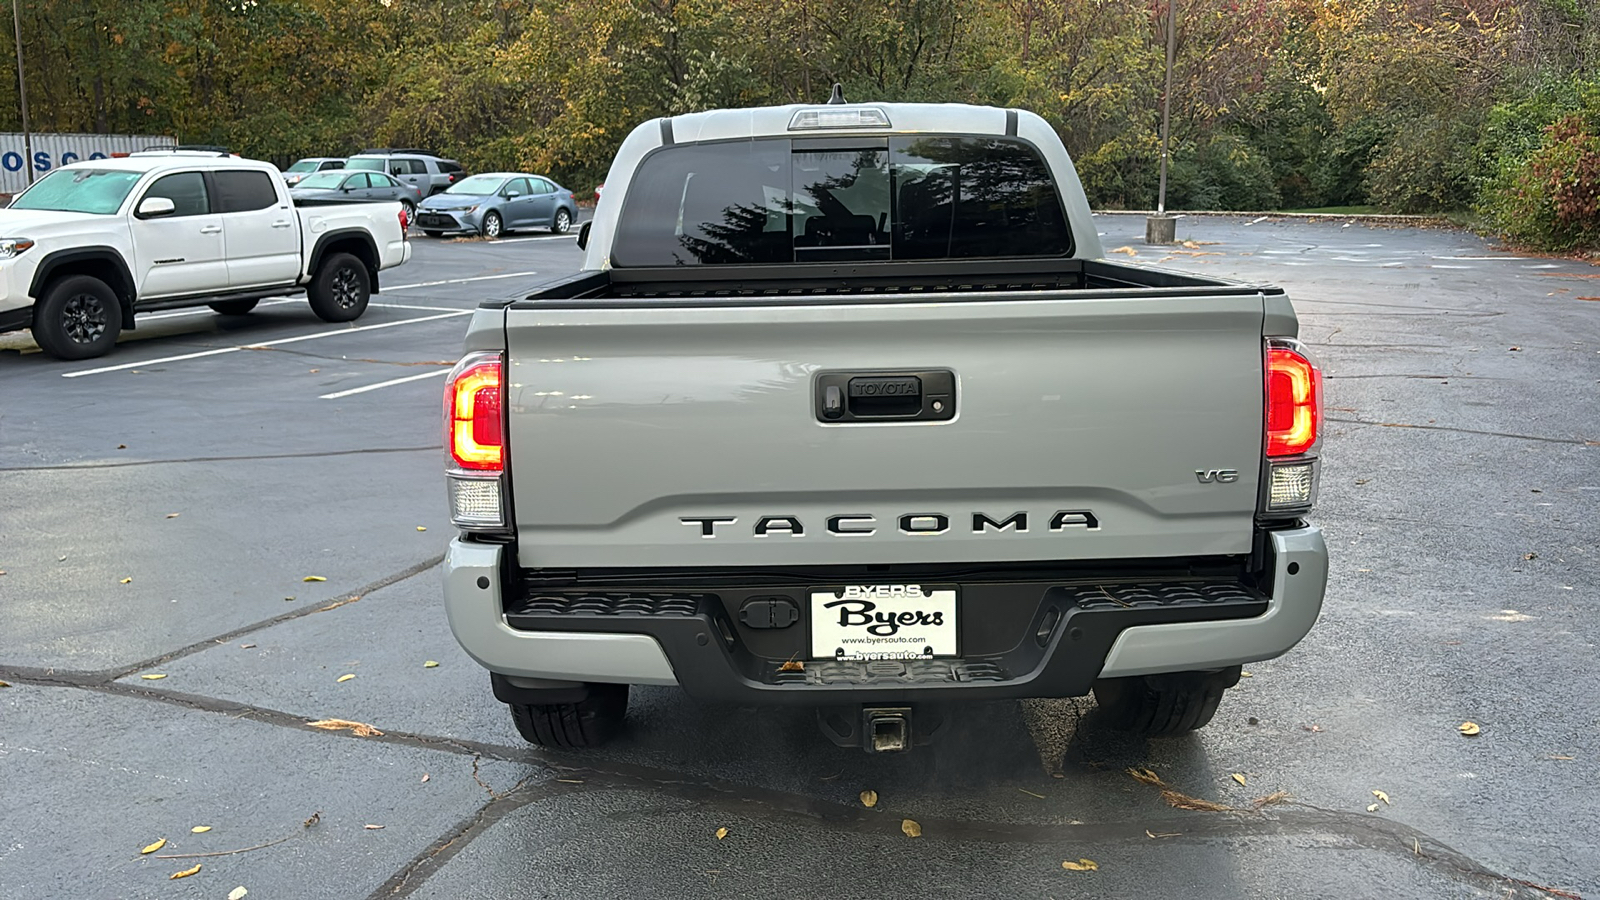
column 51, row 151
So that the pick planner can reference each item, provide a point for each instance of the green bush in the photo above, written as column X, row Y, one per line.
column 1420, row 167
column 1224, row 172
column 1543, row 155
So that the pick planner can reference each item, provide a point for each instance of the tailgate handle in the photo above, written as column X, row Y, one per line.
column 922, row 395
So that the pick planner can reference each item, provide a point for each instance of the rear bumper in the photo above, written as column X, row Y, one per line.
column 1090, row 640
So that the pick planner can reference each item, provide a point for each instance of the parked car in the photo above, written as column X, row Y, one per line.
column 912, row 440
column 494, row 203
column 346, row 185
column 304, row 167
column 422, row 169
column 93, row 243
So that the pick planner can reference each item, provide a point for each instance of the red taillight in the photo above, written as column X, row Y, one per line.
column 1294, row 396
column 473, row 431
column 405, row 223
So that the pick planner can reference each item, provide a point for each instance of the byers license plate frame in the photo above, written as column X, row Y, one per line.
column 884, row 621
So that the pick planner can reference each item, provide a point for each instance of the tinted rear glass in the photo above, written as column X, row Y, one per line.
column 776, row 201
column 244, row 191
column 367, row 162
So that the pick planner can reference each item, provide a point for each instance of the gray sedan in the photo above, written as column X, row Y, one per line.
column 494, row 203
column 348, row 185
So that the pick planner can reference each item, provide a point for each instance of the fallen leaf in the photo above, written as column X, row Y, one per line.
column 1381, row 796
column 424, row 778
column 1314, row 729
column 154, row 676
column 1237, row 777
column 430, row 664
column 359, row 729
column 1146, row 776
column 1270, row 799
column 1082, row 865
column 313, row 578
column 722, row 833
column 1247, row 675
column 184, row 874
column 422, row 528
column 288, row 598
column 315, row 818
column 345, row 677
column 1184, row 801
column 1128, row 250
column 315, row 371
column 246, row 646
column 127, row 581
column 62, row 559
column 173, row 515
column 237, row 893
column 1372, row 808
column 1469, row 729
column 153, row 847
column 5, row 684
column 793, row 665
column 200, row 829
column 1589, row 298
column 1516, row 348
column 911, row 828
column 122, row 446
column 869, row 799
column 1560, row 757
column 1032, row 794
column 1530, row 556
column 374, row 827
column 1363, row 480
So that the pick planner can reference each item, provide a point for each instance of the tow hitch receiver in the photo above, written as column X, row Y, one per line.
column 875, row 729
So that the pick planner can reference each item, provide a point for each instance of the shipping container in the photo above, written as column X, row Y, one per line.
column 50, row 151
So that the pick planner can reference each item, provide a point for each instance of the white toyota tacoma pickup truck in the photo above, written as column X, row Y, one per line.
column 93, row 243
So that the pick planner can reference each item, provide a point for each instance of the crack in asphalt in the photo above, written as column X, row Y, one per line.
column 1505, row 434
column 1293, row 818
column 310, row 454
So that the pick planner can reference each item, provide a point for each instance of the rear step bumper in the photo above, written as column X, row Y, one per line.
column 1118, row 629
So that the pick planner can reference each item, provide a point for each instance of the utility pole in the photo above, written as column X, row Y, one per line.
column 22, row 91
column 1162, row 228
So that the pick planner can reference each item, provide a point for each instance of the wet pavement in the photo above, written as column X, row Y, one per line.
column 1460, row 487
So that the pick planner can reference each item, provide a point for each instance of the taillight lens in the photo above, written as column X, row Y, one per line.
column 474, row 440
column 472, row 410
column 1294, row 400
column 405, row 225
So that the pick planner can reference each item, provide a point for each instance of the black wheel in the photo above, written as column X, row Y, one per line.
column 492, row 225
column 341, row 289
column 573, row 726
column 233, row 307
column 1163, row 705
column 79, row 318
column 562, row 222
column 432, row 234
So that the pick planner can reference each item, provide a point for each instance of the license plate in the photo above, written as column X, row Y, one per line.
column 883, row 621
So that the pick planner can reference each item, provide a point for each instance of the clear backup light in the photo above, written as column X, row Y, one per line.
column 858, row 117
column 1290, row 487
column 476, row 502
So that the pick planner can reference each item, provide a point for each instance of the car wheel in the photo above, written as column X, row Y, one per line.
column 573, row 726
column 1163, row 705
column 79, row 318
column 233, row 307
column 340, row 291
column 492, row 225
column 563, row 221
column 411, row 212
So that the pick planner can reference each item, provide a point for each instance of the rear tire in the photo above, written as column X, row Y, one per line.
column 562, row 222
column 79, row 318
column 574, row 726
column 233, row 307
column 341, row 289
column 1163, row 705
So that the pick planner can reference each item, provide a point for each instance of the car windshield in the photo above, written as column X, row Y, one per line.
column 96, row 191
column 324, row 180
column 372, row 163
column 477, row 185
column 304, row 165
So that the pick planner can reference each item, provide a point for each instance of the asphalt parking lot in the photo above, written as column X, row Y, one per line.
column 162, row 507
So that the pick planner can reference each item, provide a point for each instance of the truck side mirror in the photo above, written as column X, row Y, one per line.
column 155, row 207
column 583, row 236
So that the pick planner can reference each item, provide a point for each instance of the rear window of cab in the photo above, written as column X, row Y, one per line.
column 840, row 199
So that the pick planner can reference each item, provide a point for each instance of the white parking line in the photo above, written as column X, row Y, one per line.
column 383, row 384
column 422, row 284
column 276, row 343
column 422, row 308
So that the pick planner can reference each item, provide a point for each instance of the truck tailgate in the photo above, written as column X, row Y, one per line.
column 674, row 434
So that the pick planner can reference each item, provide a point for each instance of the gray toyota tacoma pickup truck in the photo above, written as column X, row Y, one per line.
column 847, row 409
